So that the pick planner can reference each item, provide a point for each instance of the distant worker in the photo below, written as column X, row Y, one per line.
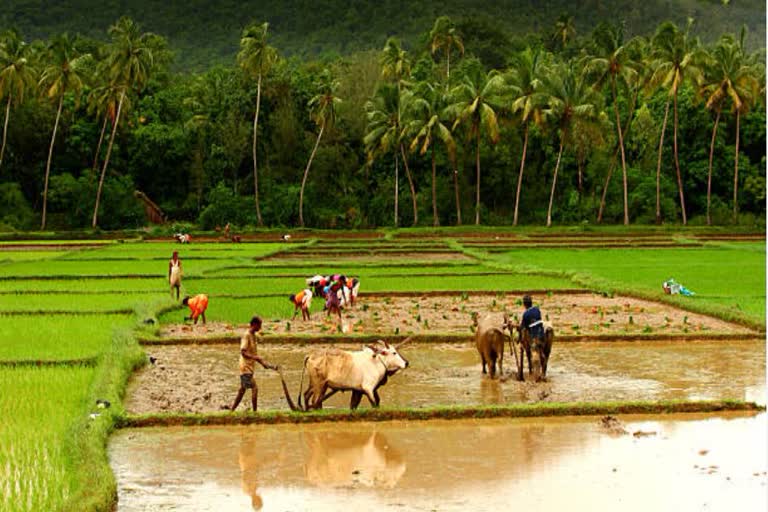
column 248, row 354
column 332, row 304
column 174, row 273
column 302, row 301
column 531, row 320
column 197, row 306
column 353, row 288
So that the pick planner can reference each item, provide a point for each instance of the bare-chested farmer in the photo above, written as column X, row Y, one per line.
column 248, row 355
column 174, row 273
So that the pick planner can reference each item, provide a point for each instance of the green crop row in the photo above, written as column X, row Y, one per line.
column 148, row 250
column 37, row 406
column 57, row 336
column 78, row 302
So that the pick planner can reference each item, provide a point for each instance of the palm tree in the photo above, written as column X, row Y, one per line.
column 322, row 109
column 129, row 66
column 473, row 102
column 256, row 58
column 16, row 76
column 396, row 66
column 384, row 134
column 102, row 103
column 444, row 37
column 527, row 102
column 564, row 29
column 675, row 60
column 612, row 62
column 571, row 104
column 425, row 126
column 65, row 74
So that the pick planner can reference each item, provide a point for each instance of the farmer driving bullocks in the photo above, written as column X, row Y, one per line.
column 532, row 320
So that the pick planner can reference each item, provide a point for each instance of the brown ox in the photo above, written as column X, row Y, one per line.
column 489, row 340
column 537, row 353
column 361, row 372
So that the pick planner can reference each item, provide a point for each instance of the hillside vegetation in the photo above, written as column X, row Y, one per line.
column 205, row 33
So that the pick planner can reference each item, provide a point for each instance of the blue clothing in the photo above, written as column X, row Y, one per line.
column 532, row 322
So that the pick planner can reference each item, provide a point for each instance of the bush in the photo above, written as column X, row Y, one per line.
column 15, row 212
column 225, row 207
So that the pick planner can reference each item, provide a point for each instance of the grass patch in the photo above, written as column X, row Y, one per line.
column 38, row 406
column 728, row 282
column 541, row 409
column 56, row 336
column 106, row 302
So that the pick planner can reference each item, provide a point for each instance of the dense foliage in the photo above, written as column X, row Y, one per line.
column 473, row 124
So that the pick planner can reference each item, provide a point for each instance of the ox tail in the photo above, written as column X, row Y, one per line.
column 301, row 385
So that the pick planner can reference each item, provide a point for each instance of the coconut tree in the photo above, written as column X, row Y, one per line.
column 396, row 67
column 256, row 59
column 102, row 104
column 129, row 65
column 472, row 103
column 612, row 63
column 571, row 105
column 424, row 128
column 16, row 76
column 564, row 29
column 676, row 55
column 444, row 38
column 527, row 102
column 384, row 133
column 322, row 110
column 65, row 74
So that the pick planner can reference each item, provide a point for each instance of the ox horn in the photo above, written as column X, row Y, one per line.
column 404, row 342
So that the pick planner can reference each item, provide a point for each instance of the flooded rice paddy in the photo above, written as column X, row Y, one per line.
column 672, row 463
column 451, row 313
column 203, row 378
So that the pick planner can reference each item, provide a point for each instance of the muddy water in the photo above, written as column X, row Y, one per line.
column 203, row 378
column 676, row 463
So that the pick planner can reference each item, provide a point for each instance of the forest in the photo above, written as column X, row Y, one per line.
column 466, row 123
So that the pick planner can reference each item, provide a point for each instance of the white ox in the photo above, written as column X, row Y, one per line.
column 361, row 372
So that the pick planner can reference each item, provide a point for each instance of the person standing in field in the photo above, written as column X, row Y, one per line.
column 174, row 273
column 197, row 306
column 249, row 355
column 531, row 320
column 302, row 300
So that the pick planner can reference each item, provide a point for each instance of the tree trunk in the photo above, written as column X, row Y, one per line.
column 658, row 165
column 101, row 139
column 520, row 176
column 456, row 192
column 106, row 159
column 448, row 67
column 621, row 147
column 677, row 166
column 255, row 162
column 48, row 164
column 411, row 185
column 477, row 185
column 709, row 173
column 397, row 188
column 736, row 170
column 554, row 182
column 306, row 173
column 580, row 165
column 625, row 131
column 435, row 219
column 5, row 128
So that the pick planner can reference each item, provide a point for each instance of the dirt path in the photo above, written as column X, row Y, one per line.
column 582, row 314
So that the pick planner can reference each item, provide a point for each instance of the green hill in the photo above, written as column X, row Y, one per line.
column 206, row 33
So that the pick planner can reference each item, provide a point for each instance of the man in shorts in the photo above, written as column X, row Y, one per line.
column 248, row 355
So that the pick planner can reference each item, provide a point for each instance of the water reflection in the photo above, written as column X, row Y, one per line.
column 348, row 459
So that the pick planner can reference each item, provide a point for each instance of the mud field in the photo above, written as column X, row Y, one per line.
column 572, row 314
column 673, row 463
column 203, row 378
